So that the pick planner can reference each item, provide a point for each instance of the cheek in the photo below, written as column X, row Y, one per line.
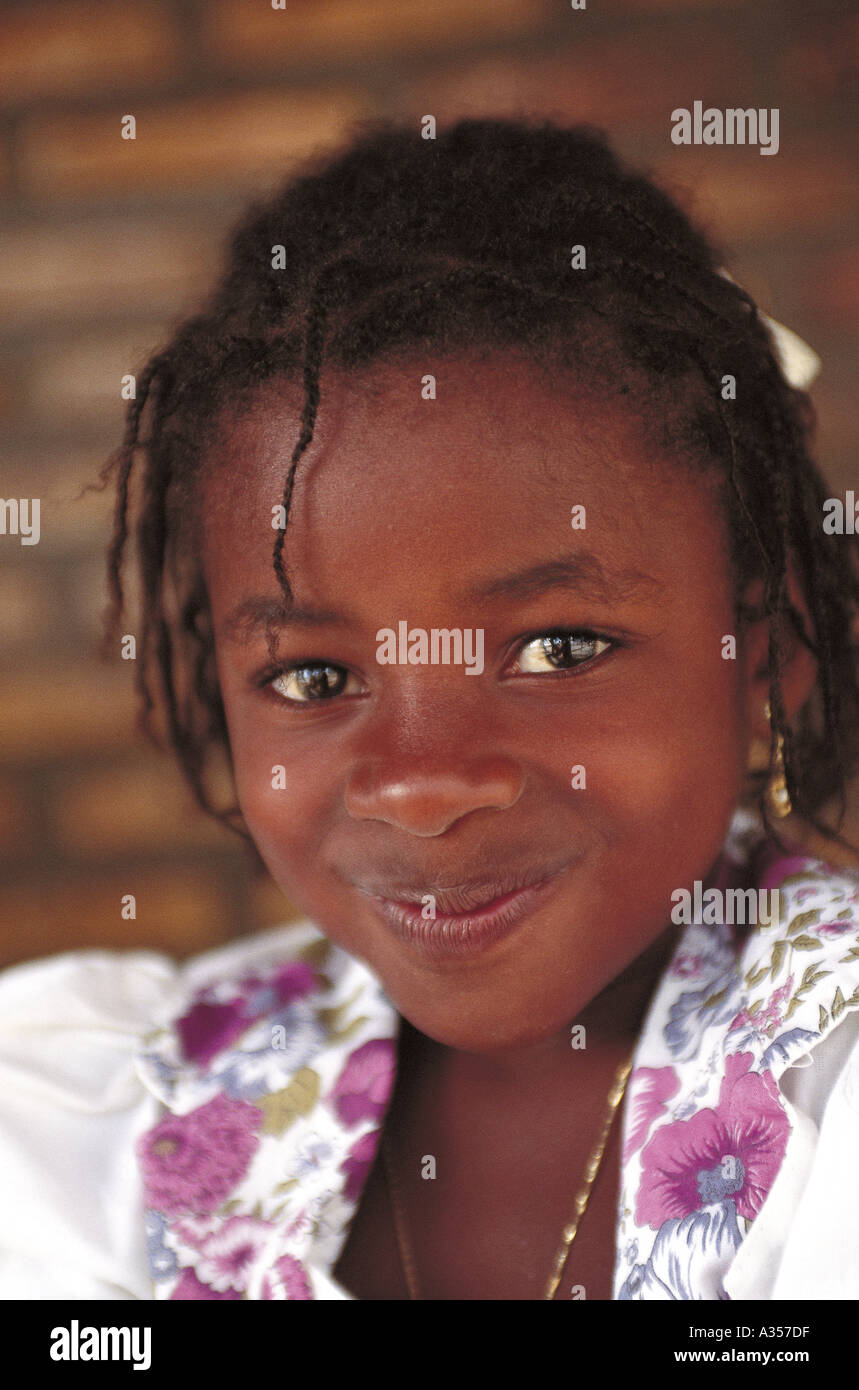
column 685, row 769
column 288, row 816
column 283, row 794
column 278, row 777
column 663, row 753
column 691, row 742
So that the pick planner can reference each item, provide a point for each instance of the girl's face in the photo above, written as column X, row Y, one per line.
column 414, row 786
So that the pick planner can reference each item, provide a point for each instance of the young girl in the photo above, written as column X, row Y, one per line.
column 477, row 530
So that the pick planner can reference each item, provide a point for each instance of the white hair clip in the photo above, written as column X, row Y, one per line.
column 799, row 363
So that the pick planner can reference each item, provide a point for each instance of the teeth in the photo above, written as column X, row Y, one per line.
column 456, row 904
column 460, row 900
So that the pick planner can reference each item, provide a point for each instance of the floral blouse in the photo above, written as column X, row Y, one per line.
column 204, row 1131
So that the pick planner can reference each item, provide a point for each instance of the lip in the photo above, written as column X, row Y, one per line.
column 469, row 919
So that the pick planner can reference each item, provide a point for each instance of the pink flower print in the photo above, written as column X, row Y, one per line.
column 734, row 1150
column 686, row 965
column 803, row 893
column 191, row 1162
column 650, row 1088
column 287, row 1280
column 357, row 1164
column 228, row 1254
column 362, row 1089
column 189, row 1286
column 770, row 1015
column 836, row 928
column 766, row 1019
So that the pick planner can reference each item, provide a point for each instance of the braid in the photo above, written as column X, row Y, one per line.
column 400, row 243
column 315, row 338
column 122, row 463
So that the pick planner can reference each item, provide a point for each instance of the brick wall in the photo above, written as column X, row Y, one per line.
column 105, row 242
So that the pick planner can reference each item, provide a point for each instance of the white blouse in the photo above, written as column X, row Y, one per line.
column 204, row 1130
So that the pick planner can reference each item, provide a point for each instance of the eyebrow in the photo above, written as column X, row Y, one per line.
column 582, row 572
column 256, row 615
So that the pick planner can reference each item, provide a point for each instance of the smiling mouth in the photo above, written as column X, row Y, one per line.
column 468, row 920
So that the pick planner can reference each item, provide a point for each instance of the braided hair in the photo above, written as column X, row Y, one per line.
column 400, row 245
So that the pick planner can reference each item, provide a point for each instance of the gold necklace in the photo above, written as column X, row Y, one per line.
column 568, row 1235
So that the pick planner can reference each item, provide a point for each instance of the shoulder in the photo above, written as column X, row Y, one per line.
column 75, row 1097
column 805, row 1242
column 71, row 1024
column 743, row 1100
column 808, row 968
column 253, row 1014
column 67, row 1022
column 272, row 1078
column 771, row 966
column 70, row 1100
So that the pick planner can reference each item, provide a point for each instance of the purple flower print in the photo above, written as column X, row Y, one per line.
column 209, row 1026
column 689, row 1258
column 650, row 1088
column 162, row 1260
column 287, row 1280
column 362, row 1089
column 228, row 1254
column 774, row 867
column 189, row 1286
column 289, row 982
column 688, row 1019
column 732, row 1151
column 686, row 965
column 191, row 1162
column 357, row 1164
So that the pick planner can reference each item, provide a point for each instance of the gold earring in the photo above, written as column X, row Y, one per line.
column 777, row 794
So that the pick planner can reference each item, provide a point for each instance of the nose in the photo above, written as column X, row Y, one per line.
column 426, row 796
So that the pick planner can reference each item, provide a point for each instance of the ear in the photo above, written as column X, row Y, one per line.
column 799, row 665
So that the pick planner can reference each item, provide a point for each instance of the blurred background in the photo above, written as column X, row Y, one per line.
column 105, row 243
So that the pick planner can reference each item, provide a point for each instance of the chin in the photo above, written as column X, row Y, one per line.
column 491, row 1029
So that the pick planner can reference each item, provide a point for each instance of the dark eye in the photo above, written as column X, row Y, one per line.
column 559, row 651
column 318, row 681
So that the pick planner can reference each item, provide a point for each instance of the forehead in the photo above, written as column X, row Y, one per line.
column 489, row 465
